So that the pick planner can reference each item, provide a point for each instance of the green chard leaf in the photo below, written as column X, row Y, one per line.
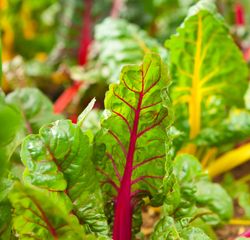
column 35, row 107
column 203, row 69
column 58, row 159
column 129, row 43
column 5, row 220
column 11, row 119
column 21, row 112
column 39, row 214
column 234, row 128
column 239, row 190
column 197, row 197
column 168, row 229
column 132, row 138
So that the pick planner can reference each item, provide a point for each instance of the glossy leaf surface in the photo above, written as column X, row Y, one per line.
column 194, row 195
column 39, row 214
column 134, row 135
column 168, row 229
column 59, row 159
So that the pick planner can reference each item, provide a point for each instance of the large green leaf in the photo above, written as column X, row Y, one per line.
column 35, row 107
column 133, row 135
column 59, row 159
column 129, row 43
column 39, row 214
column 233, row 129
column 197, row 195
column 11, row 123
column 203, row 68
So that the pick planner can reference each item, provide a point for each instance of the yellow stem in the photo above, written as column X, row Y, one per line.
column 238, row 221
column 195, row 100
column 208, row 156
column 229, row 160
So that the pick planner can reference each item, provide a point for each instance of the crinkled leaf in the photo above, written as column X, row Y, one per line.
column 202, row 67
column 168, row 229
column 134, row 133
column 43, row 215
column 59, row 159
column 198, row 196
column 5, row 220
column 129, row 43
column 234, row 128
column 216, row 199
column 194, row 234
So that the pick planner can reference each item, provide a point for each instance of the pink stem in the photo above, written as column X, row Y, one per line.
column 246, row 234
column 86, row 37
column 123, row 209
column 116, row 8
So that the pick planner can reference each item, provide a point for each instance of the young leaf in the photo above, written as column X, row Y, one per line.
column 85, row 113
column 59, row 159
column 202, row 67
column 134, row 134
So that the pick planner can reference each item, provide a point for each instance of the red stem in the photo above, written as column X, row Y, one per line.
column 86, row 37
column 123, row 209
column 246, row 234
column 66, row 97
column 239, row 15
column 85, row 40
column 116, row 8
column 51, row 229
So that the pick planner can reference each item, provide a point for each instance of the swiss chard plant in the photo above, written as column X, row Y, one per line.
column 91, row 179
column 75, row 186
